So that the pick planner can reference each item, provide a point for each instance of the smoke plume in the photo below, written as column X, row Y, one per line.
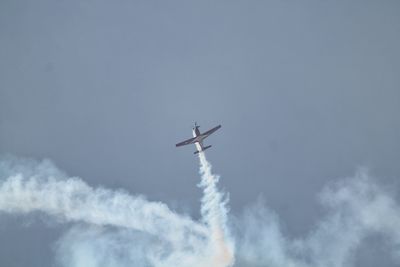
column 214, row 212
column 356, row 208
column 115, row 219
column 116, row 229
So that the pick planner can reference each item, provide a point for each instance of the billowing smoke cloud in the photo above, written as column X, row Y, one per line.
column 116, row 229
column 160, row 236
column 356, row 208
column 214, row 213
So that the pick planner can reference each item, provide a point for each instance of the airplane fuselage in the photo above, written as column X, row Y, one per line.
column 199, row 140
column 196, row 131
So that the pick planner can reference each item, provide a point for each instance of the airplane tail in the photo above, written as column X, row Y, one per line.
column 204, row 148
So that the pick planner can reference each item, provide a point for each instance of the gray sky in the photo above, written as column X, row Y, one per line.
column 306, row 92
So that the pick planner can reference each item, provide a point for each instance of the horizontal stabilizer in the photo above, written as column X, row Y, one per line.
column 207, row 147
column 204, row 148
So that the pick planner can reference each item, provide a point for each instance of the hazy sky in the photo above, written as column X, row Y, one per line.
column 306, row 92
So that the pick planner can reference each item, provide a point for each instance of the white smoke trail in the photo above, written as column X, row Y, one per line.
column 42, row 187
column 214, row 214
column 29, row 186
column 145, row 233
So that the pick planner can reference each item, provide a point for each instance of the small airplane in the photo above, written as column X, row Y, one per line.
column 198, row 138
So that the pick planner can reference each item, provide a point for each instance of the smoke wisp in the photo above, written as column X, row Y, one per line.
column 356, row 208
column 117, row 229
column 164, row 237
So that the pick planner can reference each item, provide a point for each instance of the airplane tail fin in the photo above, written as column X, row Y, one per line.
column 204, row 148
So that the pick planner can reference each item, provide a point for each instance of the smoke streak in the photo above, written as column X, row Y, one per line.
column 168, row 239
column 116, row 229
column 214, row 214
column 42, row 187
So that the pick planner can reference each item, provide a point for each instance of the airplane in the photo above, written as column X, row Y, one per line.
column 198, row 138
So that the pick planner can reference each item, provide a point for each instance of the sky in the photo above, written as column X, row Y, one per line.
column 307, row 93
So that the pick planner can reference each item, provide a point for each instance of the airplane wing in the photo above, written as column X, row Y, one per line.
column 186, row 142
column 209, row 132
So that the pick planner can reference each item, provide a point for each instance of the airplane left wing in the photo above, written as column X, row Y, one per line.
column 209, row 132
column 186, row 142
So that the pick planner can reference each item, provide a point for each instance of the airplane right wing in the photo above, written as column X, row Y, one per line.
column 206, row 134
column 186, row 142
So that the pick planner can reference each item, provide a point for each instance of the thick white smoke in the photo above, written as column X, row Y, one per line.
column 41, row 187
column 116, row 229
column 163, row 237
column 214, row 213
